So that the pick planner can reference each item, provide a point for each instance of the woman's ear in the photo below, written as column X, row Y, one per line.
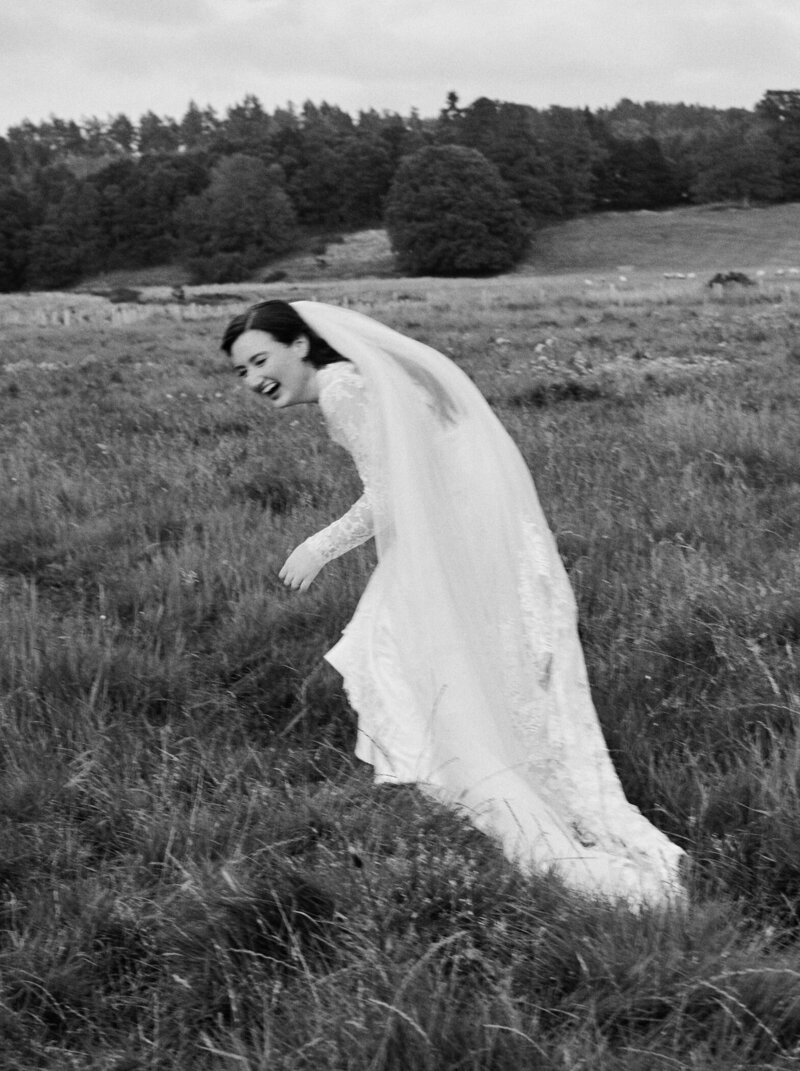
column 301, row 346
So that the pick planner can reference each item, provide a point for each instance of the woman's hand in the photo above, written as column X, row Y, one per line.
column 300, row 568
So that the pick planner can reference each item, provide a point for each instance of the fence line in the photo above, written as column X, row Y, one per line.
column 34, row 313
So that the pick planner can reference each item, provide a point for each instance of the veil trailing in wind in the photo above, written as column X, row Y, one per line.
column 481, row 624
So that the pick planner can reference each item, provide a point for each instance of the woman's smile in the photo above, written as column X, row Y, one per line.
column 270, row 387
column 275, row 370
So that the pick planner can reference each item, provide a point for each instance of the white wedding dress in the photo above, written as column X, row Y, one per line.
column 463, row 662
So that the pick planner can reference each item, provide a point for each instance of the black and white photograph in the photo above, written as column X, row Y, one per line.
column 399, row 513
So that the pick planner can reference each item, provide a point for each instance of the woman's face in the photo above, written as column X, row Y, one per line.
column 275, row 370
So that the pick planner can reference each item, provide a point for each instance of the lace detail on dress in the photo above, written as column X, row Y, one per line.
column 342, row 399
column 530, row 644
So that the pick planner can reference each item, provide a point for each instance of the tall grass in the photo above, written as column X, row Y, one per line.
column 196, row 873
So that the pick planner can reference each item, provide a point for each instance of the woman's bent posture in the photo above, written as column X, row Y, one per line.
column 462, row 660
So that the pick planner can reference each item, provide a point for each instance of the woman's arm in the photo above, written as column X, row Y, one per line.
column 344, row 407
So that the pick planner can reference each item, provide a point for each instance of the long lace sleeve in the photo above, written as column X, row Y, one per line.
column 344, row 406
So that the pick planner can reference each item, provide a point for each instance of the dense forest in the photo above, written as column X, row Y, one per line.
column 222, row 196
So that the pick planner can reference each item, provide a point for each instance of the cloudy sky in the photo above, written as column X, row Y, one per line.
column 77, row 58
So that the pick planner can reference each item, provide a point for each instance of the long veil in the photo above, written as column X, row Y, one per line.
column 486, row 623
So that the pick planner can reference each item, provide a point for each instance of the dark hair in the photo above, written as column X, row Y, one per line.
column 284, row 323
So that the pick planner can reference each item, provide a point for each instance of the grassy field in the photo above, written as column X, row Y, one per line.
column 705, row 239
column 195, row 872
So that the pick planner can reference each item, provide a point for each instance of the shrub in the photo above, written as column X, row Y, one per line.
column 219, row 268
column 450, row 213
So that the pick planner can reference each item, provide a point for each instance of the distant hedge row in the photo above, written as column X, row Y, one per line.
column 224, row 195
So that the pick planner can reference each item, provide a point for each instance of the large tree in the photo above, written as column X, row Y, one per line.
column 369, row 171
column 138, row 202
column 632, row 173
column 450, row 213
column 780, row 110
column 157, row 135
column 506, row 135
column 247, row 128
column 15, row 226
column 242, row 220
column 566, row 142
column 68, row 243
column 739, row 163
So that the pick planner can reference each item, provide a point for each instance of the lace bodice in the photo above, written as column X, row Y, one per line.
column 342, row 399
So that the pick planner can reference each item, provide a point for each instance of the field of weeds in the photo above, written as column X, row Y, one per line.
column 195, row 872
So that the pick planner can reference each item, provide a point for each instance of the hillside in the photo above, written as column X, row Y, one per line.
column 706, row 239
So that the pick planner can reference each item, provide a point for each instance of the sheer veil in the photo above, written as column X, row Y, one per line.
column 485, row 621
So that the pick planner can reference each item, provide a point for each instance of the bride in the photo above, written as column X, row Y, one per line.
column 462, row 660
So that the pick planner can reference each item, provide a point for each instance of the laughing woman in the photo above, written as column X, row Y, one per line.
column 462, row 660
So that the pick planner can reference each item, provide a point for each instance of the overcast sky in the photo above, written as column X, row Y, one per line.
column 78, row 58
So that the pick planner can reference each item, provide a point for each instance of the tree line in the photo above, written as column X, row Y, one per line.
column 222, row 195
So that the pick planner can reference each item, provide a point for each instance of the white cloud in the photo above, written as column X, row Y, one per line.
column 104, row 56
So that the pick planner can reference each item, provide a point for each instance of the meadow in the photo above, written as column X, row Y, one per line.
column 197, row 874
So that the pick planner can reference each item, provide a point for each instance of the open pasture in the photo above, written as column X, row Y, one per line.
column 703, row 239
column 195, row 871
